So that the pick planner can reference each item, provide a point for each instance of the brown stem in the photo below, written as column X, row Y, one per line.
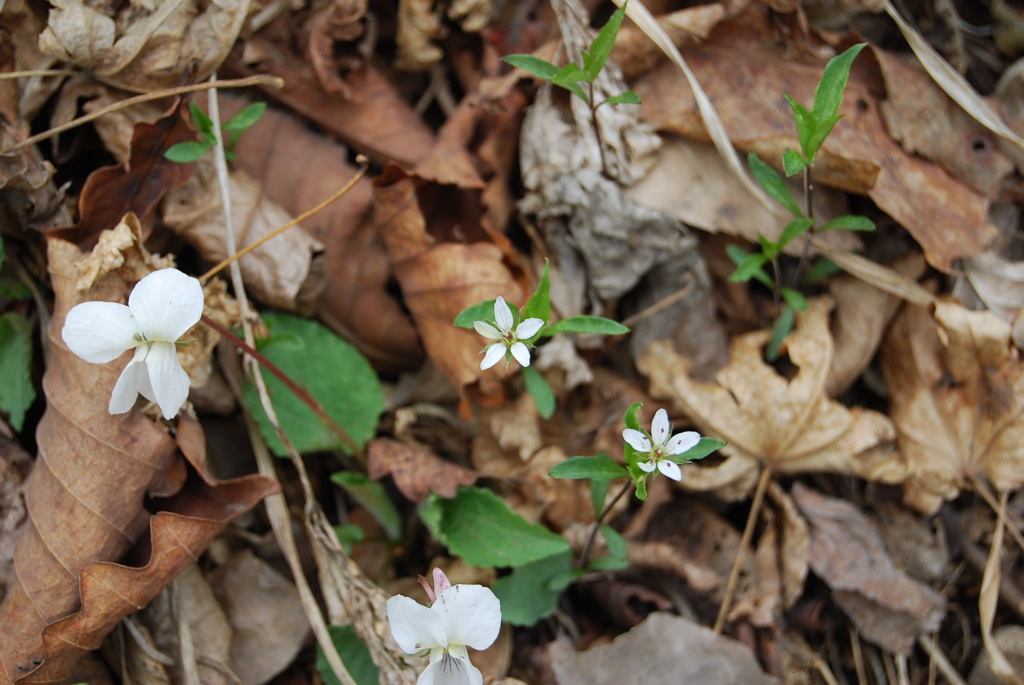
column 809, row 211
column 597, row 524
column 297, row 389
column 597, row 129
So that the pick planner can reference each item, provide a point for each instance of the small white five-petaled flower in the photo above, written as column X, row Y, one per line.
column 162, row 306
column 459, row 615
column 508, row 340
column 661, row 445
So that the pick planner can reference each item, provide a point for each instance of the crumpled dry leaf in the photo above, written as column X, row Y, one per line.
column 956, row 388
column 419, row 25
column 263, row 607
column 787, row 424
column 999, row 283
column 142, row 49
column 888, row 607
column 416, row 471
column 662, row 649
column 15, row 465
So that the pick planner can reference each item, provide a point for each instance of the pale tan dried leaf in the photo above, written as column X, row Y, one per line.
column 881, row 277
column 888, row 607
column 998, row 282
column 417, row 29
column 956, row 388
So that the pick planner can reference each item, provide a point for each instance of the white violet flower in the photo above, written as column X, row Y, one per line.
column 459, row 616
column 508, row 340
column 660, row 445
column 161, row 307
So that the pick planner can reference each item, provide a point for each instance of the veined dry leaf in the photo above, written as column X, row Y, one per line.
column 888, row 607
column 787, row 424
column 143, row 49
column 416, row 471
column 444, row 262
column 956, row 388
column 85, row 506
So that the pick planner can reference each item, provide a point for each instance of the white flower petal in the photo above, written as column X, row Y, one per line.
column 670, row 469
column 636, row 440
column 414, row 626
column 451, row 670
column 660, row 428
column 168, row 380
column 487, row 330
column 126, row 390
column 166, row 303
column 527, row 329
column 521, row 352
column 647, row 466
column 495, row 353
column 503, row 315
column 471, row 615
column 100, row 332
column 681, row 443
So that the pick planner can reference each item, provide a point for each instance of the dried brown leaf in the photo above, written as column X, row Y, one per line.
column 416, row 471
column 888, row 607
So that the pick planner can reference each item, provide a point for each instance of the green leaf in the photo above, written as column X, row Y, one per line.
column 737, row 254
column 570, row 74
column 795, row 299
column 616, row 545
column 539, row 304
column 576, row 90
column 333, row 371
column 783, row 325
column 477, row 312
column 703, row 448
column 829, row 94
column 204, row 124
column 534, row 65
column 600, row 467
column 348, row 534
column 849, row 222
column 607, row 564
column 185, row 153
column 627, row 98
column 639, row 481
column 598, row 493
column 373, row 497
column 540, row 391
column 479, row 527
column 354, row 655
column 805, row 127
column 793, row 162
column 526, row 594
column 601, row 49
column 585, row 324
column 14, row 290
column 822, row 268
column 794, row 228
column 16, row 390
column 249, row 115
column 629, row 418
column 749, row 267
column 773, row 184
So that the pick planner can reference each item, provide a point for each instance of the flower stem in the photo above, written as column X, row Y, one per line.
column 299, row 391
column 597, row 524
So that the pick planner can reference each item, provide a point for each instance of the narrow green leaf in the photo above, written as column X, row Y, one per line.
column 751, row 265
column 795, row 299
column 773, row 184
column 348, row 534
column 539, row 304
column 793, row 162
column 607, row 564
column 576, row 90
column 600, row 467
column 783, row 325
column 373, row 497
column 820, row 133
column 585, row 324
column 703, row 448
column 829, row 94
column 613, row 539
column 16, row 390
column 332, row 371
column 805, row 126
column 570, row 74
column 601, row 49
column 354, row 654
column 479, row 527
column 769, row 248
column 185, row 153
column 822, row 268
column 849, row 222
column 627, row 98
column 639, row 480
column 736, row 253
column 204, row 124
column 534, row 65
column 249, row 115
column 477, row 312
column 540, row 391
column 794, row 228
column 598, row 493
column 527, row 595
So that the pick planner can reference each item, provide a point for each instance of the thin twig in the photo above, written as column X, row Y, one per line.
column 363, row 165
column 38, row 72
column 597, row 524
column 661, row 304
column 942, row 663
column 258, row 80
column 748, row 533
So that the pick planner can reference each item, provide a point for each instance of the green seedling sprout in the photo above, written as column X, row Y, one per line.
column 191, row 151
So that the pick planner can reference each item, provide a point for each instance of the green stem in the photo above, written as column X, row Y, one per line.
column 597, row 524
column 809, row 211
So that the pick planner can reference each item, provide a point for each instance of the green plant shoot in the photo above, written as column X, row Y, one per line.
column 192, row 151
